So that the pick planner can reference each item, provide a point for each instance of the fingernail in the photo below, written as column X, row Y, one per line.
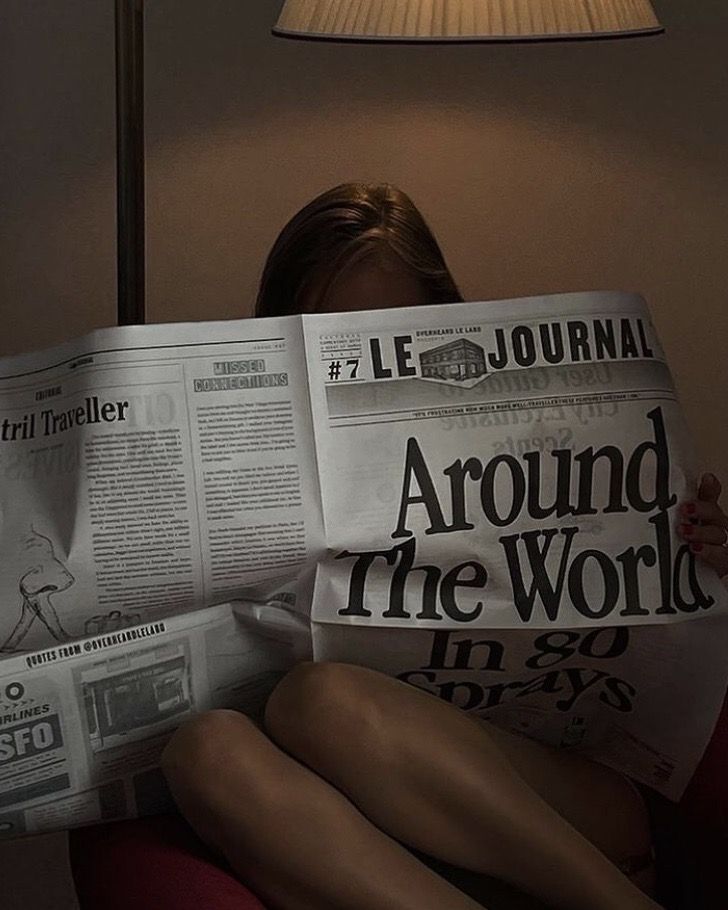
column 686, row 530
column 688, row 508
column 696, row 547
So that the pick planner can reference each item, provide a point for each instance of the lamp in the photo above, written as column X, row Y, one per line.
column 464, row 20
column 356, row 20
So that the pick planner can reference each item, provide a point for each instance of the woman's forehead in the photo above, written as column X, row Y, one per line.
column 378, row 280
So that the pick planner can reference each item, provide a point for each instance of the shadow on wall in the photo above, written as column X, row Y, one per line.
column 221, row 65
column 572, row 152
column 216, row 65
column 57, row 205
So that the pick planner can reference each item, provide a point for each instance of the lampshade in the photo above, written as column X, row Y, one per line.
column 464, row 20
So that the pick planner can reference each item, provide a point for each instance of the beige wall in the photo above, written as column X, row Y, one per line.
column 543, row 168
column 56, row 170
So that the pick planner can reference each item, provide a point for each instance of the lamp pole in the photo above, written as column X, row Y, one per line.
column 129, row 35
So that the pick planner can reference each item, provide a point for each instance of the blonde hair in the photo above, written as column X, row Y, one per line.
column 344, row 225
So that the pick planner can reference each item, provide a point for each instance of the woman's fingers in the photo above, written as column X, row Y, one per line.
column 710, row 488
column 710, row 513
column 704, row 525
column 715, row 557
column 708, row 549
column 708, row 534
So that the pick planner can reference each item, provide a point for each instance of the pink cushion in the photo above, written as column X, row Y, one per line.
column 704, row 810
column 705, row 802
column 151, row 864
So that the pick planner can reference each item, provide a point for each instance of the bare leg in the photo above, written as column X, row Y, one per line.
column 296, row 840
column 431, row 777
column 613, row 817
column 27, row 618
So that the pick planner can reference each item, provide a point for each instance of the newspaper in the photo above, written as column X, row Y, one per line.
column 479, row 499
column 83, row 724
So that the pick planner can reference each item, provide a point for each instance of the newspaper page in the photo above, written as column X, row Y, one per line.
column 484, row 493
column 500, row 486
column 83, row 724
column 149, row 471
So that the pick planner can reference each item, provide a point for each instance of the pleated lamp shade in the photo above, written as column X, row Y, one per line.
column 464, row 20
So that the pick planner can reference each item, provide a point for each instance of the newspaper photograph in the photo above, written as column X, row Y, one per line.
column 478, row 499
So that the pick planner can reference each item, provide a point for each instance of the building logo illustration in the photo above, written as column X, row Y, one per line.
column 456, row 361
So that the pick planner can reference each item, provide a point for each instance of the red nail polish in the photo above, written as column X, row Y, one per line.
column 689, row 508
column 686, row 530
column 696, row 547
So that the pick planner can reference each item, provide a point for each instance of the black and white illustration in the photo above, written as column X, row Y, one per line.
column 113, row 621
column 461, row 361
column 41, row 575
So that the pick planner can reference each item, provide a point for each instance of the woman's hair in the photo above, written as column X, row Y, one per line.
column 340, row 227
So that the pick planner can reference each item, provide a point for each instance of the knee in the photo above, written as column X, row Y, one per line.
column 328, row 707
column 226, row 778
column 324, row 695
column 200, row 752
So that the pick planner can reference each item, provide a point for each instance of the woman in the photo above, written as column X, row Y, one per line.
column 318, row 809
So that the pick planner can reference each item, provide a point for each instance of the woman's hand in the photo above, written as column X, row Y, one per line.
column 704, row 525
